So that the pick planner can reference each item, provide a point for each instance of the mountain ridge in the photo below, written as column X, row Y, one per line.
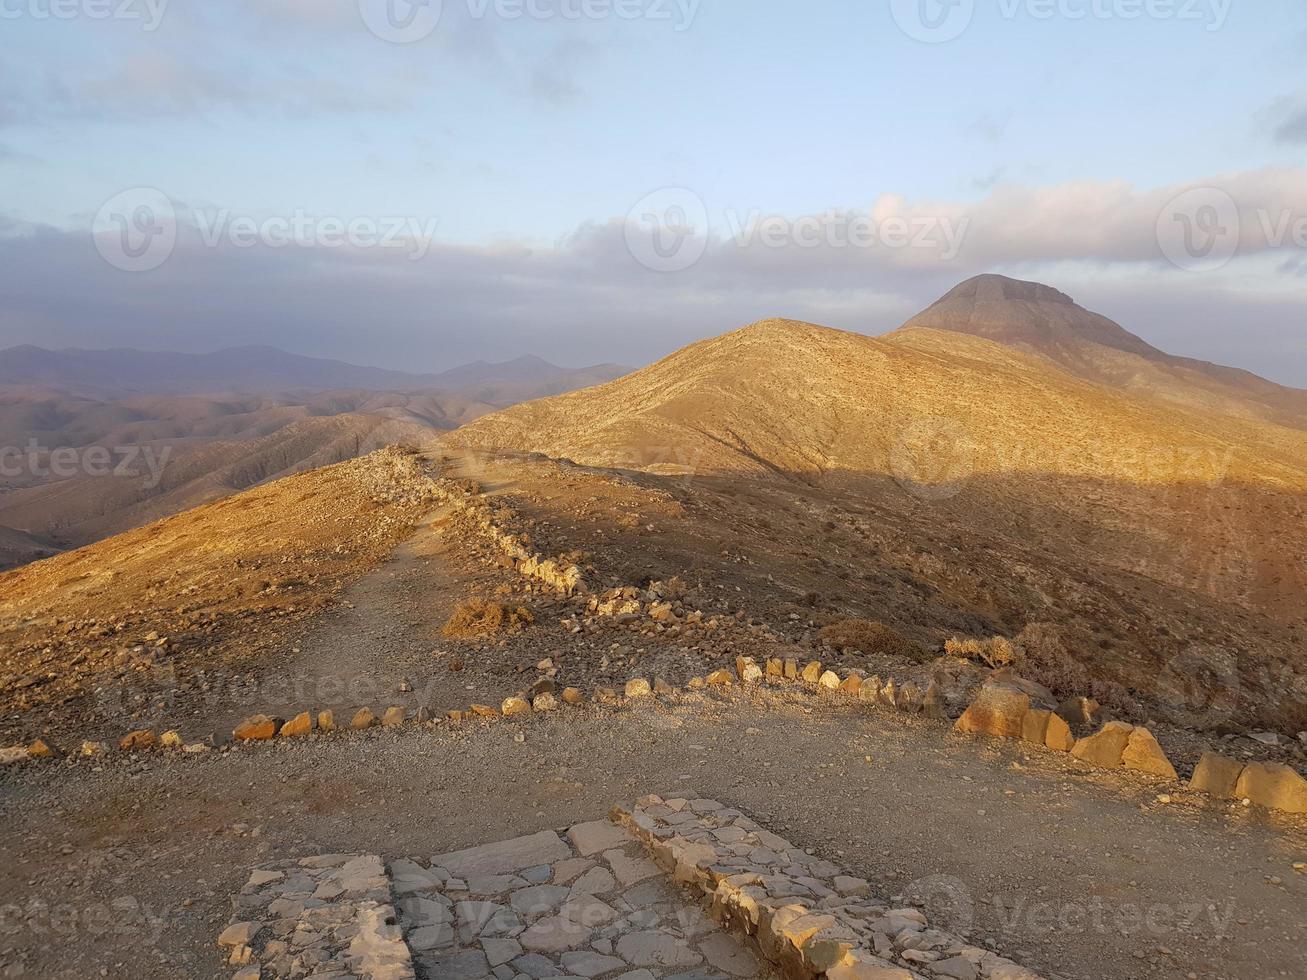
column 253, row 369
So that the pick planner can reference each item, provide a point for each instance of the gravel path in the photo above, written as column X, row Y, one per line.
column 1078, row 874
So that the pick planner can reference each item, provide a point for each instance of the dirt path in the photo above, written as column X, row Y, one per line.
column 1079, row 876
column 382, row 645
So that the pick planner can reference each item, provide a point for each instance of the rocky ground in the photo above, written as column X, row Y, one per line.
column 124, row 865
column 127, row 866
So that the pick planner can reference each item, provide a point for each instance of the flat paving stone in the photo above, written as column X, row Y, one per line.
column 584, row 905
column 504, row 857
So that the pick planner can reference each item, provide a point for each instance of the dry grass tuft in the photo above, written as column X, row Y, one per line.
column 870, row 636
column 995, row 652
column 476, row 618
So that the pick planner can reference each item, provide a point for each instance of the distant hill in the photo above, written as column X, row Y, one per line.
column 254, row 370
column 18, row 548
column 223, row 422
column 1041, row 320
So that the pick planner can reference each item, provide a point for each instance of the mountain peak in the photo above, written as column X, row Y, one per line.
column 1025, row 314
column 992, row 287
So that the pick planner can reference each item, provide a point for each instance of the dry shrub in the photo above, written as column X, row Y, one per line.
column 1046, row 659
column 870, row 636
column 477, row 618
column 995, row 652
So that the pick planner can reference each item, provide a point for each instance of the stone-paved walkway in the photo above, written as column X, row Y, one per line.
column 637, row 897
column 588, row 904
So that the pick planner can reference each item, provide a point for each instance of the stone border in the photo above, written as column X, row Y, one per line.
column 496, row 522
column 807, row 915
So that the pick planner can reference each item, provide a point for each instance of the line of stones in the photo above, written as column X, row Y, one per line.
column 495, row 523
column 1004, row 710
column 998, row 710
column 810, row 917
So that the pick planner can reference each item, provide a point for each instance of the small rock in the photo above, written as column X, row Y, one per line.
column 515, row 707
column 256, row 728
column 138, row 741
column 297, row 727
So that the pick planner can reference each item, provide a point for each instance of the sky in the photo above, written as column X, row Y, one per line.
column 420, row 185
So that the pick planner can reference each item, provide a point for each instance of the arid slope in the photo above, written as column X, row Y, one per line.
column 983, row 457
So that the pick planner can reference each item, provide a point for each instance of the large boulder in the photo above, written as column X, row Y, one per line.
column 999, row 710
column 1034, row 728
column 1058, row 735
column 1273, row 785
column 1105, row 748
column 1217, row 775
column 1143, row 754
column 1040, row 696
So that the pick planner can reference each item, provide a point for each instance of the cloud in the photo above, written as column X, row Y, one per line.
column 586, row 299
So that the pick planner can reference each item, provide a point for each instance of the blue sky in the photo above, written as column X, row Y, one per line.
column 1057, row 138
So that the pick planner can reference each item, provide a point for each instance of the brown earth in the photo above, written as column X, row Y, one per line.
column 1057, row 863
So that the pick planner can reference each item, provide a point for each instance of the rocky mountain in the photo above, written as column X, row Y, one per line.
column 995, row 458
column 1041, row 320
